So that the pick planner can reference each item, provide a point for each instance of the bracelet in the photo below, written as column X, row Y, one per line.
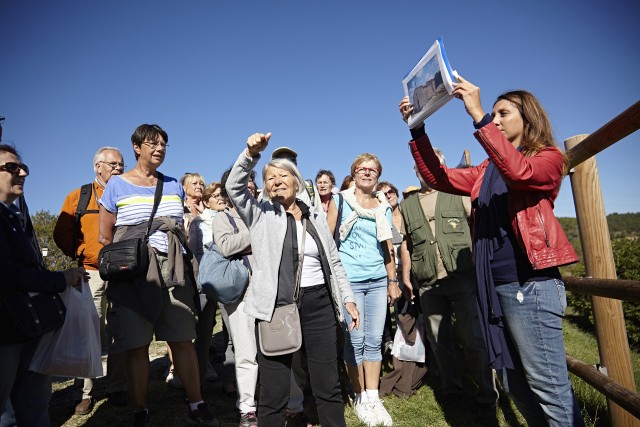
column 390, row 279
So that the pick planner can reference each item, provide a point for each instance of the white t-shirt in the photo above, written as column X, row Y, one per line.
column 311, row 274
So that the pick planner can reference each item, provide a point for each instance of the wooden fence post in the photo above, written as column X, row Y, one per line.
column 611, row 332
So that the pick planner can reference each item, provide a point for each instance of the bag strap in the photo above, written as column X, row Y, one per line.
column 245, row 259
column 336, row 232
column 156, row 203
column 296, row 292
column 310, row 191
column 81, row 209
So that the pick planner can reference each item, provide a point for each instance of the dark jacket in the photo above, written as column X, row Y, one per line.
column 20, row 265
column 534, row 183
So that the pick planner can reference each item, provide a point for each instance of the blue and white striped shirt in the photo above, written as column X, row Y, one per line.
column 132, row 204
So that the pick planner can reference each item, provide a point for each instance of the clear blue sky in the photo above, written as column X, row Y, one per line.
column 323, row 77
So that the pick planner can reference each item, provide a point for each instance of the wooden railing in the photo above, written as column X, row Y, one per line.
column 618, row 384
column 628, row 290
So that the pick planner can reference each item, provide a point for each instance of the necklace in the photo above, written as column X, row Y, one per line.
column 296, row 212
column 147, row 178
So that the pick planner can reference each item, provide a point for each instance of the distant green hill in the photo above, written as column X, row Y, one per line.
column 620, row 226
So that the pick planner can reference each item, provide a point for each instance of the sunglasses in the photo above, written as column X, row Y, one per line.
column 390, row 192
column 14, row 168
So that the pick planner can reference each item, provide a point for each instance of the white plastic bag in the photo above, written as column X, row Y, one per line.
column 410, row 353
column 74, row 349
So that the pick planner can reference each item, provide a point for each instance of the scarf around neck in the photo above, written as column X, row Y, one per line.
column 487, row 239
column 383, row 229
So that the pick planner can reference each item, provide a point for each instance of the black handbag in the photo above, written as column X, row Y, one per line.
column 25, row 316
column 128, row 259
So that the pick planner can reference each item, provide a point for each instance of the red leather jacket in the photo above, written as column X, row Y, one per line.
column 534, row 183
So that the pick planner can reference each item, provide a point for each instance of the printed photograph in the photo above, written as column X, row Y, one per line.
column 426, row 87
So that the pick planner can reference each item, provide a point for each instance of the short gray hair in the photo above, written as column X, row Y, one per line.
column 286, row 165
column 98, row 156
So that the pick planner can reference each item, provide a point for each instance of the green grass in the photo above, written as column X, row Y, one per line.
column 167, row 405
column 582, row 345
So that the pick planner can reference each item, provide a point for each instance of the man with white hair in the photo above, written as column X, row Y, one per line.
column 76, row 234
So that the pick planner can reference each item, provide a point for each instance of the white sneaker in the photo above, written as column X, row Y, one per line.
column 365, row 413
column 380, row 413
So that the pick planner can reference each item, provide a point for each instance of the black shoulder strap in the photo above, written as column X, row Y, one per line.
column 85, row 196
column 156, row 203
column 336, row 232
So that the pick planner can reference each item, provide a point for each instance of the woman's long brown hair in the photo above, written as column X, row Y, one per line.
column 537, row 133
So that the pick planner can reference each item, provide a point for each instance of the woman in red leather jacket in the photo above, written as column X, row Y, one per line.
column 518, row 246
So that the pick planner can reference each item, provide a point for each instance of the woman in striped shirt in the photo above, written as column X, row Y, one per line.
column 162, row 303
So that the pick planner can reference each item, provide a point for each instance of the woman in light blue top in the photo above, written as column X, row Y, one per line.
column 367, row 255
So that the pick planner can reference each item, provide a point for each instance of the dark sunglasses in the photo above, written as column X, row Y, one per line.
column 14, row 168
column 390, row 192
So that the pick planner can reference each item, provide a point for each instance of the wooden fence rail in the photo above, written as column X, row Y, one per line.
column 627, row 290
column 605, row 385
column 622, row 125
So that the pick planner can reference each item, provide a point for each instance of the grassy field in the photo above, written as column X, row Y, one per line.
column 167, row 405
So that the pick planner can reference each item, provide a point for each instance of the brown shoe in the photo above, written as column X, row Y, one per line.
column 84, row 407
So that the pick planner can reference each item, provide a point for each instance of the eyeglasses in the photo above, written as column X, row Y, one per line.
column 155, row 144
column 114, row 165
column 14, row 168
column 389, row 192
column 372, row 171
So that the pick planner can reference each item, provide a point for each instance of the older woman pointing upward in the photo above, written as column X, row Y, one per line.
column 276, row 227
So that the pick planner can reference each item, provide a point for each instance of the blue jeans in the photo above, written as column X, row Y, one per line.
column 539, row 383
column 28, row 391
column 364, row 344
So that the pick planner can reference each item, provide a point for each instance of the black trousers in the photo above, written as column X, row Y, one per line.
column 318, row 324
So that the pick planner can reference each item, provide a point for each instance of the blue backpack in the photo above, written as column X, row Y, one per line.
column 223, row 279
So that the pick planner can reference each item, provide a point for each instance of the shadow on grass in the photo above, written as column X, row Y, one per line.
column 167, row 405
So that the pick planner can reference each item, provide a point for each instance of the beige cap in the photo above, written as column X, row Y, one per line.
column 409, row 190
column 278, row 152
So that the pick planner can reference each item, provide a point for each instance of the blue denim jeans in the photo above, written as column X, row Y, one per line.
column 364, row 344
column 539, row 383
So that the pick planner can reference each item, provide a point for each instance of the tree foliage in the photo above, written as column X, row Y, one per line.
column 43, row 224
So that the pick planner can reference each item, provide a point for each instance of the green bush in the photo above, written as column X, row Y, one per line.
column 626, row 253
